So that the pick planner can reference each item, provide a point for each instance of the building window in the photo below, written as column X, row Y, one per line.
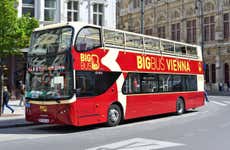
column 213, row 73
column 98, row 14
column 161, row 32
column 50, row 10
column 148, row 2
column 73, row 10
column 226, row 26
column 28, row 7
column 191, row 31
column 226, row 73
column 136, row 3
column 175, row 29
column 148, row 31
column 206, row 73
column 209, row 28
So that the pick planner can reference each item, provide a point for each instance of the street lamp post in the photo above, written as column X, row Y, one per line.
column 142, row 16
column 201, row 15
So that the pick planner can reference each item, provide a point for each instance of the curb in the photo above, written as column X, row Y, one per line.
column 15, row 121
column 17, row 125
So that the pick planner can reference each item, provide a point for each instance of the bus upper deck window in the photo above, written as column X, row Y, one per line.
column 88, row 38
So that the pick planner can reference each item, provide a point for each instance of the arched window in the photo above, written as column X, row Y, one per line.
column 226, row 72
column 213, row 73
column 206, row 73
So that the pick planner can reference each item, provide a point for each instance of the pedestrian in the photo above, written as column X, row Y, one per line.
column 22, row 94
column 206, row 95
column 6, row 97
column 221, row 86
column 228, row 85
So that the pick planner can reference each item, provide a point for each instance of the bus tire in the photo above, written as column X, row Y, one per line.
column 114, row 115
column 180, row 106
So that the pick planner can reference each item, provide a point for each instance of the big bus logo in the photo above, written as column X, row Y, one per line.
column 163, row 64
column 43, row 108
column 89, row 61
column 150, row 63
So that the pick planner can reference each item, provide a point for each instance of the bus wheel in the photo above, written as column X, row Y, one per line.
column 114, row 115
column 180, row 106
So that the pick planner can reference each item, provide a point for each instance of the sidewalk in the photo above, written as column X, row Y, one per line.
column 218, row 93
column 16, row 119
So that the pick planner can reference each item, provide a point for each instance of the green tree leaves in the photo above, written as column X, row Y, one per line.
column 14, row 32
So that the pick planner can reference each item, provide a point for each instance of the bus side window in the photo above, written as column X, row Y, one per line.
column 149, row 83
column 136, row 84
column 191, row 51
column 132, row 84
column 165, row 83
column 88, row 38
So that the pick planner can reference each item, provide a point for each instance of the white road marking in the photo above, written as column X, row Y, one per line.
column 137, row 144
column 219, row 97
column 227, row 102
column 218, row 103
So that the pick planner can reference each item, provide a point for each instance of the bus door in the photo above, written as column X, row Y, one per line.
column 85, row 94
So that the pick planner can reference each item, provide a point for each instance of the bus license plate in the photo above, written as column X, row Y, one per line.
column 42, row 120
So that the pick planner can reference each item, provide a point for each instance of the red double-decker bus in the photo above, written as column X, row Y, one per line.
column 80, row 74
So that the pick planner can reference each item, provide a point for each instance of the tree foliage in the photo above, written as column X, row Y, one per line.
column 14, row 32
column 25, row 26
column 8, row 21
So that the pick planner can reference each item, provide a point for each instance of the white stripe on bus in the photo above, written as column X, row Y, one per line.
column 109, row 60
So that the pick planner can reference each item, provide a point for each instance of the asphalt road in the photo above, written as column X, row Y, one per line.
column 207, row 128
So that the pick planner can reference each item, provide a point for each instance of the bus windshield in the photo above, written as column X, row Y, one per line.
column 49, row 72
column 51, row 41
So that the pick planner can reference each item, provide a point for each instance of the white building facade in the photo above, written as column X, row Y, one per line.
column 99, row 12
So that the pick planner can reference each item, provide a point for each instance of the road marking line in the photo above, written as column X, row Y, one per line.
column 218, row 103
column 137, row 144
column 228, row 102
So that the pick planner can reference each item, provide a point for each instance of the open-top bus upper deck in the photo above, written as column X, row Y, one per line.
column 129, row 41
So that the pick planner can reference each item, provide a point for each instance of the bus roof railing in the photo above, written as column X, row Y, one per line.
column 149, row 44
column 137, row 42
